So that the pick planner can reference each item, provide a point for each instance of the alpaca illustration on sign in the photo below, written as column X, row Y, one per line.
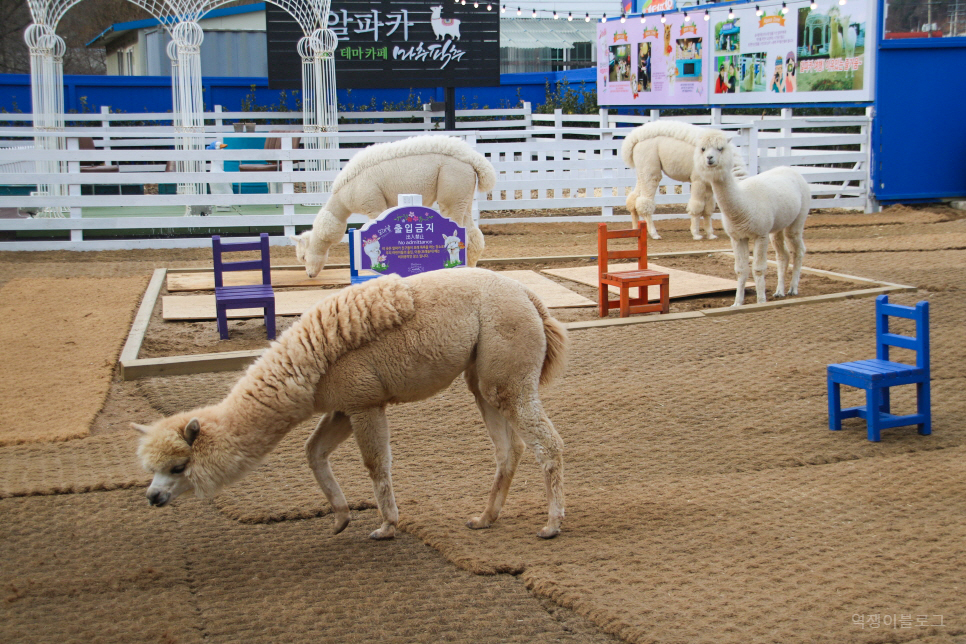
column 453, row 245
column 371, row 247
column 443, row 27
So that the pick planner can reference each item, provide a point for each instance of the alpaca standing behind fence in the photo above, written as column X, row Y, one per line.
column 772, row 204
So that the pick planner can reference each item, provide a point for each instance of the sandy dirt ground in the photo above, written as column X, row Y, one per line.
column 707, row 501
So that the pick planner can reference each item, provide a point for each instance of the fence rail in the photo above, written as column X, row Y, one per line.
column 549, row 162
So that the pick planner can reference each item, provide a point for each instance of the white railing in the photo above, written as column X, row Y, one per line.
column 550, row 162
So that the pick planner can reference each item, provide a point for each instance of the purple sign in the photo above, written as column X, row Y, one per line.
column 408, row 240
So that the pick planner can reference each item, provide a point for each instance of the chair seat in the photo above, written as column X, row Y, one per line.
column 100, row 168
column 258, row 167
column 244, row 295
column 876, row 372
column 625, row 276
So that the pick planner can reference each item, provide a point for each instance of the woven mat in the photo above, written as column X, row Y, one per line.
column 77, row 326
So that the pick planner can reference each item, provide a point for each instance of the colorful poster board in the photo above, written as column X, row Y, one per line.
column 407, row 240
column 764, row 53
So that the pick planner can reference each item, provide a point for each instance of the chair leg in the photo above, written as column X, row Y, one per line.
column 886, row 406
column 270, row 320
column 602, row 302
column 873, row 402
column 924, row 407
column 222, row 316
column 834, row 405
column 666, row 292
column 625, row 301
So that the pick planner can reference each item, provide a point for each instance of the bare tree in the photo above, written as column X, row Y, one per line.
column 14, row 19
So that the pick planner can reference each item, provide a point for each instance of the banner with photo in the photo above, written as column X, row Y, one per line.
column 652, row 63
column 771, row 52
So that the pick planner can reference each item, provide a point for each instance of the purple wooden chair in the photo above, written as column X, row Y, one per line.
column 259, row 296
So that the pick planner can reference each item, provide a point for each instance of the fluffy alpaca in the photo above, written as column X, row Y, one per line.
column 773, row 203
column 387, row 341
column 668, row 147
column 442, row 169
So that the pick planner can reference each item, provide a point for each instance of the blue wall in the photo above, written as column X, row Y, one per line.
column 132, row 94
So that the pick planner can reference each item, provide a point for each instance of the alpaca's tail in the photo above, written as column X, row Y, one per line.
column 558, row 342
column 485, row 174
column 739, row 170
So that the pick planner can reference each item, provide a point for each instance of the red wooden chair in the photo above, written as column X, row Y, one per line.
column 626, row 280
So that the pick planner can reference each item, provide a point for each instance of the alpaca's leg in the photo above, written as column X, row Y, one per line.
column 742, row 270
column 778, row 241
column 648, row 180
column 631, row 204
column 331, row 431
column 527, row 416
column 797, row 247
column 474, row 245
column 759, row 266
column 372, row 434
column 509, row 448
column 700, row 205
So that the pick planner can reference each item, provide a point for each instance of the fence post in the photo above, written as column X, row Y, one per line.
column 604, row 117
column 753, row 149
column 74, row 189
column 606, row 137
column 871, row 204
column 557, row 123
column 655, row 115
column 715, row 116
column 218, row 120
column 106, row 124
column 786, row 131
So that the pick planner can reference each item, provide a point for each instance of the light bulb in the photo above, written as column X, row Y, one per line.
column 643, row 18
column 784, row 9
column 489, row 7
column 570, row 16
column 707, row 16
column 518, row 11
column 534, row 15
column 555, row 16
column 587, row 17
column 686, row 17
column 758, row 11
column 813, row 6
column 623, row 19
column 663, row 19
column 503, row 9
column 476, row 4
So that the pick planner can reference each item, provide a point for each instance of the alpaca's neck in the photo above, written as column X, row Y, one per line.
column 329, row 228
column 730, row 196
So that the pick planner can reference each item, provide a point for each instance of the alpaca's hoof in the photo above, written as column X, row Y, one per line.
column 477, row 523
column 736, row 305
column 778, row 294
column 384, row 533
column 548, row 532
column 697, row 237
column 340, row 523
column 655, row 236
column 712, row 236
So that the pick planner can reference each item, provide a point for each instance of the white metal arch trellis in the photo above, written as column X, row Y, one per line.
column 180, row 19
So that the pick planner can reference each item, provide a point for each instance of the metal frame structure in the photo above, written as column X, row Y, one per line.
column 180, row 18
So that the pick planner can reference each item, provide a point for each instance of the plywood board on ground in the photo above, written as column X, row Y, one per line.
column 682, row 283
column 552, row 294
column 281, row 278
column 202, row 307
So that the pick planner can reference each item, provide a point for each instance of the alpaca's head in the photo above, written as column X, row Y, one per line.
column 183, row 453
column 713, row 153
column 309, row 253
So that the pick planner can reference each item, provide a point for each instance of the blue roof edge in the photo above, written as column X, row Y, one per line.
column 152, row 22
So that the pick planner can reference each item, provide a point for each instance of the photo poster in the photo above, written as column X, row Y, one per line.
column 803, row 55
column 652, row 63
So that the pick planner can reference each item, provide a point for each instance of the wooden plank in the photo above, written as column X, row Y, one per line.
column 202, row 307
column 281, row 278
column 552, row 294
column 814, row 299
column 140, row 325
column 682, row 283
column 185, row 365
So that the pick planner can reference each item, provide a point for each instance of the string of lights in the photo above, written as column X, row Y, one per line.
column 510, row 10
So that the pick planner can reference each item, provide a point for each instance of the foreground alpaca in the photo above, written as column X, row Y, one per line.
column 773, row 203
column 668, row 147
column 442, row 169
column 386, row 341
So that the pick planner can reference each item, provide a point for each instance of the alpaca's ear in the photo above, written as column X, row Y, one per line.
column 191, row 431
column 144, row 429
column 294, row 238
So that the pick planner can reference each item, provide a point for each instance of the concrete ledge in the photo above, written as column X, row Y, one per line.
column 140, row 325
column 814, row 299
column 184, row 365
column 642, row 319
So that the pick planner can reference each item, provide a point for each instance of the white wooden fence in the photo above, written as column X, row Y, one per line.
column 550, row 162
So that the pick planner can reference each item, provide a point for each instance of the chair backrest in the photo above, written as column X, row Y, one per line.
column 275, row 143
column 884, row 339
column 604, row 255
column 218, row 247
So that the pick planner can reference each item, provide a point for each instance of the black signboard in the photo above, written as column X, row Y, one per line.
column 395, row 44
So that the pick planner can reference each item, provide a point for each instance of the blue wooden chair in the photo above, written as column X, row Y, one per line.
column 876, row 376
column 259, row 296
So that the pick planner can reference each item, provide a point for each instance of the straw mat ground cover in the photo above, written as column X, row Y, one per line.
column 706, row 499
column 60, row 339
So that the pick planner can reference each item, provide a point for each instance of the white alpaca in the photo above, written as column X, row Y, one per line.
column 444, row 27
column 849, row 36
column 668, row 147
column 772, row 204
column 387, row 341
column 452, row 244
column 442, row 169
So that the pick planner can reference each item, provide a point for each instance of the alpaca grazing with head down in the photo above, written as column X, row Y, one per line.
column 772, row 204
column 667, row 147
column 443, row 169
column 386, row 341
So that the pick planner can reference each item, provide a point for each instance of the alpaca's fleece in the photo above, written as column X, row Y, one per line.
column 414, row 146
column 667, row 147
column 387, row 341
